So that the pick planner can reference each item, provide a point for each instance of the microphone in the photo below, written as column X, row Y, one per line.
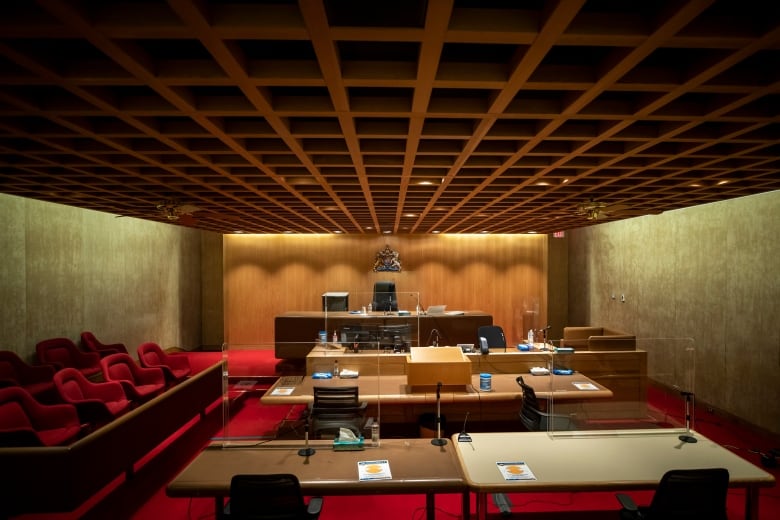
column 463, row 436
column 687, row 436
column 438, row 441
column 306, row 451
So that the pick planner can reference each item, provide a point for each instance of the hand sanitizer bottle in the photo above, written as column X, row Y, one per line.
column 336, row 368
column 531, row 338
column 369, row 307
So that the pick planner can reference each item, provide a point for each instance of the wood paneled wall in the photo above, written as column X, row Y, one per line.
column 266, row 275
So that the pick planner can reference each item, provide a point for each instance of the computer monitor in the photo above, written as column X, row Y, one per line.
column 335, row 301
column 384, row 296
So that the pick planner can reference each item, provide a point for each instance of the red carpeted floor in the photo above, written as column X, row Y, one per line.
column 144, row 498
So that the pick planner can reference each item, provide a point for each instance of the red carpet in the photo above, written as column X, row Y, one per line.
column 143, row 498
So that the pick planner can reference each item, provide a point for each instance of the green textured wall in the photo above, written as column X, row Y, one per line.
column 709, row 272
column 65, row 270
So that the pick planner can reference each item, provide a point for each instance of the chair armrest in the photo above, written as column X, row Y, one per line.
column 626, row 502
column 7, row 381
column 315, row 506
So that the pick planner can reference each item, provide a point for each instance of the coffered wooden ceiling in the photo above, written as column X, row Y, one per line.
column 357, row 116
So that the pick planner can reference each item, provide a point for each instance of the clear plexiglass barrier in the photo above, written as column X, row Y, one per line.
column 621, row 385
column 269, row 399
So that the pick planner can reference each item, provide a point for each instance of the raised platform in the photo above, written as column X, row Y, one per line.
column 295, row 333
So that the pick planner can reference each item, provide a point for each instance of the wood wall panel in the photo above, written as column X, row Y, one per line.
column 266, row 275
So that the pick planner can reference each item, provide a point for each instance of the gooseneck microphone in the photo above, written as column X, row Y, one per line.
column 688, row 435
column 307, row 450
column 463, row 436
column 438, row 441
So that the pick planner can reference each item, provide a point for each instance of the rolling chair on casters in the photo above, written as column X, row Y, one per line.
column 269, row 497
column 335, row 408
column 494, row 337
column 688, row 494
column 536, row 420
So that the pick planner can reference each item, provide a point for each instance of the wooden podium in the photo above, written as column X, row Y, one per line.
column 428, row 366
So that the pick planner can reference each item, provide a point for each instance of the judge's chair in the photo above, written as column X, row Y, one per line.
column 269, row 497
column 534, row 419
column 688, row 494
column 384, row 298
column 335, row 408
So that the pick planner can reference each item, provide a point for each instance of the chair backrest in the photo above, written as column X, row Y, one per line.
column 57, row 350
column 494, row 335
column 529, row 411
column 118, row 367
column 689, row 494
column 335, row 399
column 384, row 296
column 266, row 497
column 8, row 367
column 68, row 382
column 150, row 354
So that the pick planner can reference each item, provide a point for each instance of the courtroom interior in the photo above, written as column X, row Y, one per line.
column 424, row 232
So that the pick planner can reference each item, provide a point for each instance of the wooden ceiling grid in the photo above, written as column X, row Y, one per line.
column 346, row 116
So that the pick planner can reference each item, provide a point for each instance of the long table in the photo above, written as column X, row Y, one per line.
column 401, row 403
column 591, row 461
column 417, row 467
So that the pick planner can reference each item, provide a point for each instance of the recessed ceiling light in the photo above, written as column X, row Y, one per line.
column 410, row 215
column 435, row 231
column 425, row 183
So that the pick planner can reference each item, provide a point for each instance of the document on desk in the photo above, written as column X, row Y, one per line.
column 585, row 386
column 374, row 470
column 515, row 471
column 283, row 390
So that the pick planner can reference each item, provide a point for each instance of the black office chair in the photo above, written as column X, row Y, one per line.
column 335, row 408
column 536, row 420
column 494, row 335
column 269, row 497
column 384, row 298
column 683, row 494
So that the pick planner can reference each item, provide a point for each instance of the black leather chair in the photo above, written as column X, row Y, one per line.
column 384, row 298
column 683, row 494
column 536, row 420
column 335, row 408
column 269, row 497
column 494, row 335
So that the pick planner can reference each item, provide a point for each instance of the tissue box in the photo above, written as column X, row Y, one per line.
column 340, row 444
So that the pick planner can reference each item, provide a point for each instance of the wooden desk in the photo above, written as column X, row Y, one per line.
column 597, row 461
column 295, row 332
column 416, row 465
column 399, row 404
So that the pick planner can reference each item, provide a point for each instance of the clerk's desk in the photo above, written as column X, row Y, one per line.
column 401, row 403
column 597, row 461
column 417, row 467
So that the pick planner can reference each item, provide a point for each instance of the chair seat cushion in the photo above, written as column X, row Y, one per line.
column 59, row 436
